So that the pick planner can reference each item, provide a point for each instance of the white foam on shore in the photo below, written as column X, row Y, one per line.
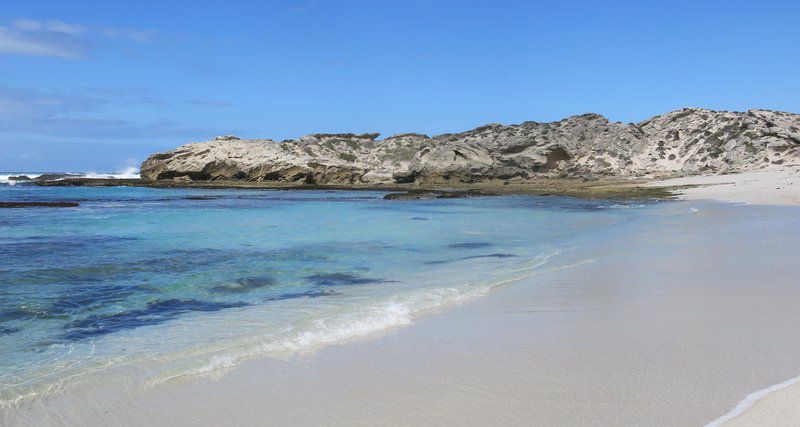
column 342, row 328
column 339, row 327
column 751, row 400
column 364, row 322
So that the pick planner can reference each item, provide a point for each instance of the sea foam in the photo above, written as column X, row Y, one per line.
column 367, row 321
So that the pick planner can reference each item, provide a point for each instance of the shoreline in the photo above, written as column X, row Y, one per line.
column 773, row 186
column 776, row 403
column 608, row 341
column 768, row 187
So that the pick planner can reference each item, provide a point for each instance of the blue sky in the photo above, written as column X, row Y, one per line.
column 99, row 85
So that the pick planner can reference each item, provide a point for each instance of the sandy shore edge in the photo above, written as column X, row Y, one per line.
column 606, row 342
column 774, row 186
column 778, row 404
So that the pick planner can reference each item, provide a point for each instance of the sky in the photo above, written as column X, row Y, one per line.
column 100, row 85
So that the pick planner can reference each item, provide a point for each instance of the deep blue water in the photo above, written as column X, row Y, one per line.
column 187, row 281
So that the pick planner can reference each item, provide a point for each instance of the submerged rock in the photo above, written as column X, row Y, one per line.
column 245, row 284
column 38, row 205
column 683, row 142
column 428, row 195
column 338, row 279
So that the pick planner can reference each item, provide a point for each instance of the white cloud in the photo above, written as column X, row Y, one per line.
column 40, row 43
column 52, row 26
column 60, row 39
column 130, row 34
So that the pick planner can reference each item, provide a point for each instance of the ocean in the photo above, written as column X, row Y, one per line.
column 150, row 285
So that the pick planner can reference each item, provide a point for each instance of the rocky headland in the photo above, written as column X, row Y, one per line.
column 583, row 156
column 685, row 142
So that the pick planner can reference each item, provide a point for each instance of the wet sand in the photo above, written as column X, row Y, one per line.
column 672, row 323
column 778, row 405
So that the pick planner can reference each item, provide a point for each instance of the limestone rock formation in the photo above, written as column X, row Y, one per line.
column 683, row 142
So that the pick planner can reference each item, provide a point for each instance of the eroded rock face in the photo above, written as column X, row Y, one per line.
column 319, row 158
column 683, row 142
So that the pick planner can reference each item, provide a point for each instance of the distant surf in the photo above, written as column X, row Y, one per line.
column 24, row 177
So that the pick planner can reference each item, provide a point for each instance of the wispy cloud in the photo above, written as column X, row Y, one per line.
column 60, row 39
column 57, row 114
column 19, row 105
column 301, row 7
column 41, row 42
column 51, row 26
column 146, row 96
column 140, row 36
column 209, row 102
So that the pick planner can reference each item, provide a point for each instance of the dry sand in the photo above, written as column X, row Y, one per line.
column 775, row 186
column 672, row 323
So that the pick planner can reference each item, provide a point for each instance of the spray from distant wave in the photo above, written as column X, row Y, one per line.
column 128, row 173
column 14, row 178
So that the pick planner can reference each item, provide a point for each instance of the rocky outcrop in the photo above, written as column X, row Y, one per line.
column 683, row 142
column 318, row 158
column 55, row 176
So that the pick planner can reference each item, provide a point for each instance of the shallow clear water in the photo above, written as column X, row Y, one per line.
column 168, row 282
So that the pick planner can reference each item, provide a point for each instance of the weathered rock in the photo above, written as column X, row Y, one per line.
column 55, row 176
column 226, row 138
column 20, row 178
column 319, row 158
column 7, row 205
column 682, row 142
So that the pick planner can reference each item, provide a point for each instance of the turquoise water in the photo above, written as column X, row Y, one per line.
column 162, row 283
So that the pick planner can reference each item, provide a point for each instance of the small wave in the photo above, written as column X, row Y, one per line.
column 337, row 328
column 370, row 320
column 751, row 400
column 325, row 331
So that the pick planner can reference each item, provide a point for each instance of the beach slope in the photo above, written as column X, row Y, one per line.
column 673, row 322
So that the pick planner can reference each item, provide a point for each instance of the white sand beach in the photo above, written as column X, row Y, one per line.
column 778, row 405
column 775, row 186
column 399, row 213
column 674, row 323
